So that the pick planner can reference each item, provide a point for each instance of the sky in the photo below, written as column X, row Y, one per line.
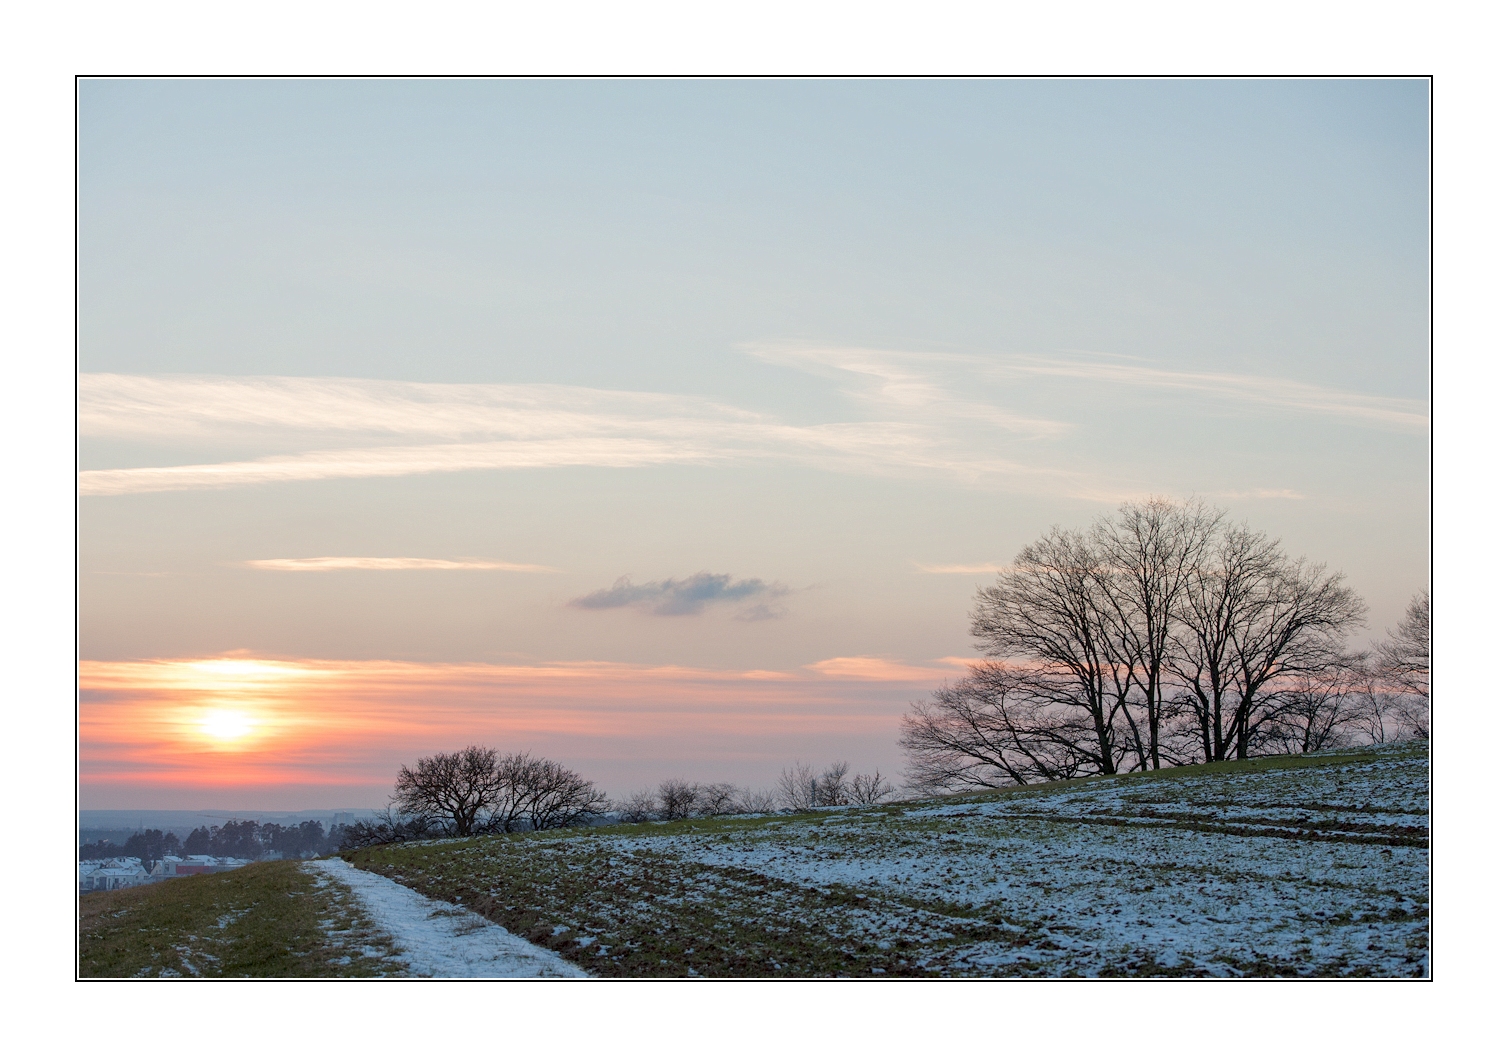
column 667, row 428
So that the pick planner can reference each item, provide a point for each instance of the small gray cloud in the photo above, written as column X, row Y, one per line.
column 673, row 598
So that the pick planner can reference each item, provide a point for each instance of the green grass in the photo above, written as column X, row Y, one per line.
column 268, row 919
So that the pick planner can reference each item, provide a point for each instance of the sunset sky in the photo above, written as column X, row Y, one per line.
column 666, row 428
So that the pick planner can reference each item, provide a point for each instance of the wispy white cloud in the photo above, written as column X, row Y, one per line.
column 491, row 427
column 945, row 381
column 385, row 461
column 1280, row 393
column 921, row 384
column 117, row 405
column 329, row 564
column 916, row 414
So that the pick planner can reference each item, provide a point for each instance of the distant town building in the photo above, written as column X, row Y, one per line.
column 188, row 865
column 102, row 875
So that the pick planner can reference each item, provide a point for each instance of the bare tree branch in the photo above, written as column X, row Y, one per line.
column 452, row 789
column 1403, row 657
column 677, row 799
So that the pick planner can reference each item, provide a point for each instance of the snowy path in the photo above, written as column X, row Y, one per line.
column 437, row 939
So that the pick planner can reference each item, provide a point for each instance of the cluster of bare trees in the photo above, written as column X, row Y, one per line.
column 676, row 799
column 800, row 788
column 1375, row 697
column 479, row 790
column 1164, row 635
column 1400, row 688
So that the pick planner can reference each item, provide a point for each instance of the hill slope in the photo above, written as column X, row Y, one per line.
column 266, row 919
column 1311, row 865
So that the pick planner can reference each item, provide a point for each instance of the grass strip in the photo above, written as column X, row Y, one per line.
column 269, row 919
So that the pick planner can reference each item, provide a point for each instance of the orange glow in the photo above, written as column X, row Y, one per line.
column 877, row 669
column 243, row 723
column 223, row 724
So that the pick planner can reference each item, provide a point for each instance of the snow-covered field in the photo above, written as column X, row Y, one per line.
column 1320, row 869
column 441, row 939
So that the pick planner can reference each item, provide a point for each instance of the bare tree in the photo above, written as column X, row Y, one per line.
column 680, row 799
column 869, row 788
column 1388, row 714
column 832, row 787
column 994, row 728
column 1375, row 712
column 1411, row 716
column 1322, row 709
column 1050, row 608
column 388, row 827
column 554, row 796
column 754, row 802
column 1227, row 587
column 519, row 777
column 1250, row 619
column 1147, row 557
column 1163, row 635
column 1403, row 657
column 719, row 798
column 677, row 799
column 456, row 790
column 1405, row 653
column 797, row 787
column 511, row 810
column 478, row 791
column 639, row 807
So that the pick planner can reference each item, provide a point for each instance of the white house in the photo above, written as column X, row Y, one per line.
column 102, row 875
column 99, row 875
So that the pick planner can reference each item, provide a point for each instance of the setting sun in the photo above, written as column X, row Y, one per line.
column 226, row 725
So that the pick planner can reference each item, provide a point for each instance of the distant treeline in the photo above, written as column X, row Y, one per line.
column 480, row 791
column 240, row 839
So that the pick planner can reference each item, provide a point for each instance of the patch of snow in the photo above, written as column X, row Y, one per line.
column 439, row 939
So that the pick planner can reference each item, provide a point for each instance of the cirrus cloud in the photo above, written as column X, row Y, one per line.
column 330, row 564
column 314, row 429
column 973, row 419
